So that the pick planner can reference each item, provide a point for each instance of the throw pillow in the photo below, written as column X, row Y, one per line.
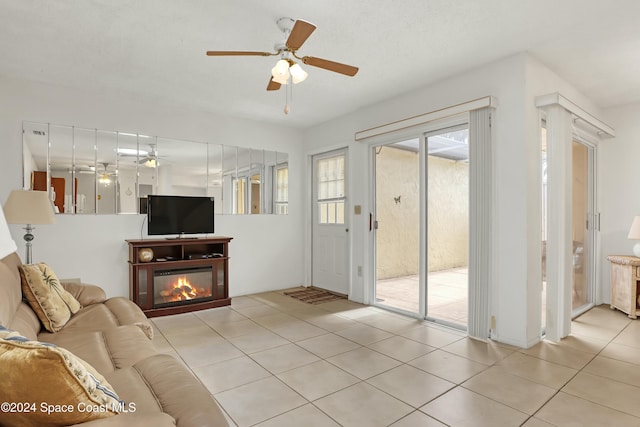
column 49, row 300
column 48, row 385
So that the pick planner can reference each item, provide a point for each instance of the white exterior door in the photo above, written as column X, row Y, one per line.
column 330, row 262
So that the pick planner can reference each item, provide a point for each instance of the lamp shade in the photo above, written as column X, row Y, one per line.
column 29, row 207
column 297, row 73
column 634, row 232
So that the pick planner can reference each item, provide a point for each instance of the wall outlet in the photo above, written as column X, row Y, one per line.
column 359, row 271
column 493, row 323
column 357, row 209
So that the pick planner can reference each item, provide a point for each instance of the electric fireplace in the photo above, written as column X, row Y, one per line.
column 171, row 276
column 183, row 286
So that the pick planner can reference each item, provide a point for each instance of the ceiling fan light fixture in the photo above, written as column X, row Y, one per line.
column 280, row 71
column 104, row 180
column 297, row 73
column 151, row 163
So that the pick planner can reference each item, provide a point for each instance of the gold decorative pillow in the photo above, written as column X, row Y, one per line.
column 49, row 300
column 49, row 385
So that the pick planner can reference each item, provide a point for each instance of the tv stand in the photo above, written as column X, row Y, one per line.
column 178, row 254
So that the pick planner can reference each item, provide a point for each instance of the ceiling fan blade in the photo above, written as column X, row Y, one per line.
column 237, row 53
column 330, row 65
column 299, row 34
column 273, row 85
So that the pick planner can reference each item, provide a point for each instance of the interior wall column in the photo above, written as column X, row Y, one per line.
column 559, row 213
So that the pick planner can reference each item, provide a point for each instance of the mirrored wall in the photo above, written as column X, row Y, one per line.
column 92, row 171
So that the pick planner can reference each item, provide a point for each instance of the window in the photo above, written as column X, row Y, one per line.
column 330, row 195
column 282, row 190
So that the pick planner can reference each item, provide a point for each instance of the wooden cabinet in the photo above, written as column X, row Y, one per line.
column 625, row 275
column 206, row 258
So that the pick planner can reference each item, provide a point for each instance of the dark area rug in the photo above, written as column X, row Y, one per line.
column 314, row 295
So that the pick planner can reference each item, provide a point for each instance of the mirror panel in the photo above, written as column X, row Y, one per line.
column 84, row 171
column 62, row 185
column 96, row 171
column 214, row 180
column 256, row 173
column 229, row 174
column 182, row 168
column 281, row 179
column 268, row 175
column 35, row 146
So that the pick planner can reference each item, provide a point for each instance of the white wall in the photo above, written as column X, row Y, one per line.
column 92, row 247
column 618, row 179
column 515, row 81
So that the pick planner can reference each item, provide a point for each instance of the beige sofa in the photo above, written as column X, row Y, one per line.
column 114, row 337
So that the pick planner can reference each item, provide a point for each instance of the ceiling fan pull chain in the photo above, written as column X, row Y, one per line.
column 288, row 89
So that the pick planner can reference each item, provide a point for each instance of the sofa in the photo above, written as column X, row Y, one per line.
column 111, row 339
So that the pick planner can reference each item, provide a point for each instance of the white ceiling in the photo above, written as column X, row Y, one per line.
column 157, row 48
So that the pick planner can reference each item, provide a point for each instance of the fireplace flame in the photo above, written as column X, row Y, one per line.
column 182, row 290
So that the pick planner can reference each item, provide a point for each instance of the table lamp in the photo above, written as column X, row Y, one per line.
column 29, row 207
column 634, row 234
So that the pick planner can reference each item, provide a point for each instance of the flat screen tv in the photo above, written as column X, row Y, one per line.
column 179, row 215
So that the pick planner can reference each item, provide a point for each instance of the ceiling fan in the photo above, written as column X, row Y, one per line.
column 296, row 33
column 151, row 159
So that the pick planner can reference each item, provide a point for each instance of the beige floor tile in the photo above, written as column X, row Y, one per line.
column 624, row 372
column 236, row 329
column 389, row 323
column 196, row 334
column 317, row 379
column 585, row 343
column 228, row 374
column 363, row 362
column 411, row 385
column 448, row 366
column 431, row 336
column 417, row 419
column 251, row 343
column 276, row 319
column 297, row 331
column 460, row 407
column 347, row 408
column 254, row 311
column 327, row 321
column 401, row 348
column 327, row 345
column 307, row 416
column 244, row 301
column 340, row 306
column 630, row 336
column 613, row 394
column 161, row 343
column 537, row 370
column 364, row 334
column 207, row 352
column 219, row 315
column 567, row 410
column 284, row 358
column 482, row 352
column 560, row 354
column 258, row 401
column 621, row 352
column 598, row 331
column 535, row 422
column 516, row 392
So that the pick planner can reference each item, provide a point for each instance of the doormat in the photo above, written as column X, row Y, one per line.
column 314, row 295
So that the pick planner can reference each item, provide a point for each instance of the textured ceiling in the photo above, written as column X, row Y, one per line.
column 157, row 48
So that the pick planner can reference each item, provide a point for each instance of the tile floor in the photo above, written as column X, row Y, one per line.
column 270, row 360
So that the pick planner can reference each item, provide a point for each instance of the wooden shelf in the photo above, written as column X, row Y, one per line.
column 178, row 254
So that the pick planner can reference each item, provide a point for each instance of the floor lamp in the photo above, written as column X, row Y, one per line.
column 29, row 207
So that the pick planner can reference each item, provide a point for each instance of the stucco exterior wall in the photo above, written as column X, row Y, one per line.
column 398, row 210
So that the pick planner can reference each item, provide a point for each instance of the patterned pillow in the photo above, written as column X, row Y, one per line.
column 52, row 386
column 49, row 300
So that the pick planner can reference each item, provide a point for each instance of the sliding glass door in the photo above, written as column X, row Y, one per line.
column 421, row 225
